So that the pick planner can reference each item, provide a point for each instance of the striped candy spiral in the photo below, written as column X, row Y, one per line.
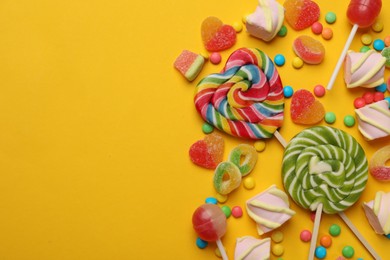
column 324, row 165
column 246, row 98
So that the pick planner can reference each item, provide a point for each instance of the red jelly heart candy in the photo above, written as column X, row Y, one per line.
column 208, row 153
column 216, row 36
column 305, row 109
column 301, row 14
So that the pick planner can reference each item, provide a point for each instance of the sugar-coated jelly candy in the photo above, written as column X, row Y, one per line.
column 305, row 109
column 209, row 222
column 363, row 12
column 189, row 64
column 227, row 177
column 301, row 14
column 208, row 153
column 378, row 168
column 217, row 36
column 309, row 49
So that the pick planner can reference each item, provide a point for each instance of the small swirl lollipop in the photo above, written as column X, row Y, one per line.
column 325, row 169
column 361, row 13
column 245, row 99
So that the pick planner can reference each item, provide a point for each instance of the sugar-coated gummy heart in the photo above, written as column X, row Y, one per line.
column 208, row 153
column 378, row 168
column 189, row 64
column 301, row 14
column 305, row 109
column 209, row 28
column 216, row 146
column 217, row 36
column 308, row 49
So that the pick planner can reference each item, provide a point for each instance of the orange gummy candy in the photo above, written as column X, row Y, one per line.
column 309, row 49
column 217, row 36
column 209, row 28
column 208, row 153
column 216, row 146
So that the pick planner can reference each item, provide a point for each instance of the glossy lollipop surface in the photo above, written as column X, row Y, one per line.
column 363, row 12
column 209, row 222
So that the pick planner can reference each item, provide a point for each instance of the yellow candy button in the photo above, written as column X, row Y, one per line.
column 259, row 146
column 297, row 63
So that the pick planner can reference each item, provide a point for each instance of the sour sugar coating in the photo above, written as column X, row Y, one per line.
column 246, row 98
column 301, row 14
column 378, row 213
column 378, row 168
column 209, row 222
column 248, row 248
column 324, row 165
column 364, row 69
column 374, row 120
column 217, row 36
column 363, row 12
column 269, row 209
column 266, row 21
column 189, row 64
column 227, row 177
column 244, row 156
column 309, row 49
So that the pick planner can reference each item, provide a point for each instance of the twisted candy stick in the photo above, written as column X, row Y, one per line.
column 246, row 98
column 325, row 169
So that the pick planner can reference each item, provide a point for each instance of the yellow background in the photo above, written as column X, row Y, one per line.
column 95, row 127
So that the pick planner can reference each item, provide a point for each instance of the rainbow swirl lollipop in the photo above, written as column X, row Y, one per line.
column 324, row 165
column 245, row 99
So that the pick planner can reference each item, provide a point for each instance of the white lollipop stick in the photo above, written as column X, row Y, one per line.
column 280, row 138
column 359, row 236
column 316, row 227
column 222, row 249
column 342, row 56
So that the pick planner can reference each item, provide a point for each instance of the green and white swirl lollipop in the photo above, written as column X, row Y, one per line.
column 324, row 169
column 324, row 165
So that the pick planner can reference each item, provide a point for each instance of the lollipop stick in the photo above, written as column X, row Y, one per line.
column 316, row 227
column 359, row 236
column 342, row 56
column 222, row 249
column 280, row 139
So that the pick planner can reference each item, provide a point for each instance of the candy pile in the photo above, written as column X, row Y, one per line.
column 324, row 169
column 326, row 241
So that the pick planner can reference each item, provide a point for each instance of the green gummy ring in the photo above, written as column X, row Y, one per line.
column 244, row 156
column 227, row 177
column 324, row 165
